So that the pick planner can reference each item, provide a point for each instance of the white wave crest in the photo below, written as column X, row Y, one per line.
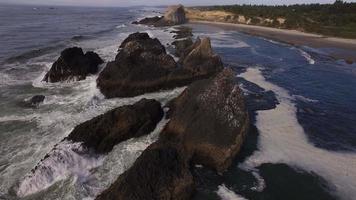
column 305, row 99
column 66, row 159
column 226, row 194
column 307, row 56
column 282, row 140
column 121, row 26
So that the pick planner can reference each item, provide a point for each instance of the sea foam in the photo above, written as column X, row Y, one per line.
column 226, row 194
column 283, row 140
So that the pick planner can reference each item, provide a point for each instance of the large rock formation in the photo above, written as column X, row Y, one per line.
column 174, row 15
column 200, row 58
column 210, row 119
column 208, row 124
column 103, row 132
column 161, row 172
column 142, row 66
column 73, row 64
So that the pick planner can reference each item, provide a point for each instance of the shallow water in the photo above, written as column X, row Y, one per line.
column 304, row 129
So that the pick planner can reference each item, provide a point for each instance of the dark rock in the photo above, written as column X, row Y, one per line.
column 142, row 66
column 200, row 58
column 73, row 64
column 181, row 46
column 150, row 21
column 182, row 32
column 34, row 102
column 210, row 120
column 174, row 15
column 161, row 172
column 208, row 124
column 37, row 99
column 103, row 132
column 349, row 61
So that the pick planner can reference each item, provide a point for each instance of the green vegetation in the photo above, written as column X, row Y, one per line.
column 338, row 19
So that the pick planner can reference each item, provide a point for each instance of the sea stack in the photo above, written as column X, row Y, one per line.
column 143, row 65
column 73, row 64
column 174, row 15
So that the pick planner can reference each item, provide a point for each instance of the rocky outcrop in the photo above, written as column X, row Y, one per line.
column 34, row 102
column 103, row 132
column 181, row 46
column 161, row 172
column 208, row 124
column 150, row 21
column 174, row 15
column 200, row 58
column 182, row 32
column 142, row 66
column 73, row 64
column 210, row 120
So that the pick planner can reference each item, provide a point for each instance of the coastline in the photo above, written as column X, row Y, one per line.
column 344, row 48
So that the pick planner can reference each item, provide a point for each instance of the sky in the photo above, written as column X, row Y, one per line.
column 123, row 3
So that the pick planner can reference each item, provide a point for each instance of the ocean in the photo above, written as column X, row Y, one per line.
column 301, row 145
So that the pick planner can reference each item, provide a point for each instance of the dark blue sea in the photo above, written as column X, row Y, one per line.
column 302, row 103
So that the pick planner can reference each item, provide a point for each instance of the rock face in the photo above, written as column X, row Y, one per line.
column 161, row 172
column 210, row 120
column 174, row 15
column 208, row 124
column 181, row 46
column 143, row 66
column 73, row 64
column 102, row 133
column 200, row 58
column 150, row 21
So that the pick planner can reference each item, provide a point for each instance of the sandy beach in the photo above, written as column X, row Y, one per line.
column 343, row 48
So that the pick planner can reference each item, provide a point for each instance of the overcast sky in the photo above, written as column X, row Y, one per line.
column 161, row 2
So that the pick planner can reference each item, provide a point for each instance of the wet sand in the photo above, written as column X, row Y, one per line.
column 338, row 48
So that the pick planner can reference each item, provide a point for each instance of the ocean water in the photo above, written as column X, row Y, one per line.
column 301, row 145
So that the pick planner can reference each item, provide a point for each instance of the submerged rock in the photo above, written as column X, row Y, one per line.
column 103, row 132
column 210, row 120
column 34, row 102
column 142, row 66
column 161, row 172
column 174, row 15
column 73, row 64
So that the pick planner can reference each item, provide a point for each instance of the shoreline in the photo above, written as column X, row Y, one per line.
column 345, row 49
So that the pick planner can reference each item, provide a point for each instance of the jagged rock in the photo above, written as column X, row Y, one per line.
column 200, row 58
column 161, row 172
column 181, row 46
column 210, row 120
column 103, row 132
column 34, row 102
column 73, row 64
column 174, row 15
column 142, row 66
column 150, row 21
column 208, row 124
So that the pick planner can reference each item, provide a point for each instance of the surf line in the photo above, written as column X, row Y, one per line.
column 282, row 140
